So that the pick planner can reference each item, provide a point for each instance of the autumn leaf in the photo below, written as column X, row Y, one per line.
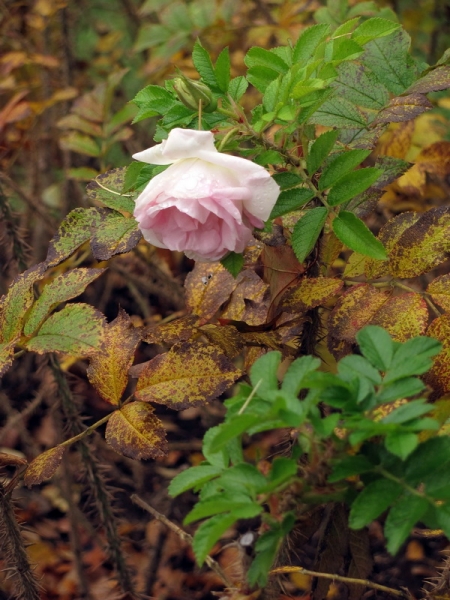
column 6, row 356
column 404, row 108
column 108, row 368
column 170, row 333
column 226, row 337
column 107, row 188
column 113, row 234
column 74, row 231
column 136, row 432
column 439, row 289
column 250, row 300
column 208, row 286
column 438, row 377
column 189, row 374
column 311, row 293
column 403, row 316
column 44, row 466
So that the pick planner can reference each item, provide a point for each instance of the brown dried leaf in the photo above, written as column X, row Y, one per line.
column 355, row 309
column 311, row 293
column 281, row 269
column 189, row 374
column 422, row 246
column 226, row 337
column 438, row 377
column 439, row 289
column 208, row 286
column 361, row 563
column 250, row 300
column 404, row 108
column 108, row 369
column 11, row 460
column 179, row 330
column 403, row 316
column 264, row 339
column 136, row 432
column 44, row 466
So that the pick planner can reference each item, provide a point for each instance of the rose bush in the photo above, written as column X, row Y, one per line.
column 206, row 203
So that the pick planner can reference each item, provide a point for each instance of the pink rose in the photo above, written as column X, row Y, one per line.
column 206, row 203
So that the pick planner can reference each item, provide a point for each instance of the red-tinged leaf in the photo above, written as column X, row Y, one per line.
column 438, row 377
column 311, row 293
column 389, row 235
column 355, row 309
column 113, row 234
column 422, row 246
column 64, row 287
column 435, row 80
column 76, row 330
column 44, row 466
column 6, row 356
column 404, row 108
column 439, row 289
column 187, row 375
column 170, row 333
column 108, row 369
column 136, row 432
column 403, row 316
column 208, row 286
column 17, row 301
column 250, row 300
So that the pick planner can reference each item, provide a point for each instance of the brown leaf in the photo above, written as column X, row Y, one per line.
column 435, row 80
column 44, row 466
column 189, row 374
column 404, row 108
column 403, row 316
column 439, row 289
column 311, row 293
column 178, row 330
column 136, row 432
column 108, row 369
column 361, row 563
column 208, row 286
column 438, row 377
column 11, row 460
column 250, row 300
column 281, row 269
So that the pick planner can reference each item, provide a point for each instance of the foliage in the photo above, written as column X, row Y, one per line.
column 318, row 301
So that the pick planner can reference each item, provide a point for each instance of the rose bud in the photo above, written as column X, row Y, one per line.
column 206, row 203
column 191, row 92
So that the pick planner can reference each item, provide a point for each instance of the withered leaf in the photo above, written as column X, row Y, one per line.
column 281, row 268
column 113, row 234
column 433, row 81
column 226, row 337
column 250, row 300
column 361, row 563
column 355, row 309
column 190, row 373
column 403, row 316
column 17, row 301
column 311, row 292
column 208, row 286
column 423, row 246
column 439, row 289
column 11, row 460
column 108, row 369
column 43, row 466
column 404, row 108
column 178, row 330
column 6, row 356
column 136, row 432
column 438, row 377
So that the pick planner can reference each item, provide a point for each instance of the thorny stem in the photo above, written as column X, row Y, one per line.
column 352, row 580
column 186, row 537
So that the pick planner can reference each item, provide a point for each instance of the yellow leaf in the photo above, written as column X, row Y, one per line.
column 311, row 293
column 439, row 289
column 438, row 377
column 136, row 432
column 178, row 330
column 355, row 265
column 403, row 316
column 44, row 466
column 226, row 337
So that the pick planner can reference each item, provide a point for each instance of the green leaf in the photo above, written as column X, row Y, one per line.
column 403, row 388
column 222, row 70
column 320, row 149
column 376, row 345
column 232, row 429
column 401, row 519
column 308, row 42
column 291, row 200
column 374, row 28
column 339, row 112
column 76, row 330
column 352, row 184
column 203, row 64
column 269, row 157
column 107, row 188
column 429, row 456
column 154, row 98
column 307, row 230
column 350, row 466
column 408, row 412
column 64, row 287
column 412, row 358
column 360, row 86
column 263, row 373
column 209, row 533
column 261, row 77
column 221, row 503
column 233, row 263
column 151, row 35
column 237, row 88
column 287, row 179
column 357, row 236
column 72, row 233
column 282, row 470
column 259, row 57
column 345, row 49
column 192, row 478
column 114, row 234
column 372, row 501
column 354, row 365
column 243, row 478
column 293, row 379
column 401, row 443
column 340, row 166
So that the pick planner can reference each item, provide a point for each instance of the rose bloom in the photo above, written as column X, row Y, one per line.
column 206, row 203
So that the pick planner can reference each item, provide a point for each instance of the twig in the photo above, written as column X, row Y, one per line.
column 352, row 580
column 186, row 537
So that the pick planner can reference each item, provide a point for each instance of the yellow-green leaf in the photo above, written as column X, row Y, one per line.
column 189, row 374
column 17, row 301
column 136, row 432
column 72, row 233
column 107, row 188
column 113, row 234
column 44, row 466
column 356, row 264
column 77, row 330
column 311, row 293
column 6, row 356
column 440, row 291
column 64, row 287
column 108, row 369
